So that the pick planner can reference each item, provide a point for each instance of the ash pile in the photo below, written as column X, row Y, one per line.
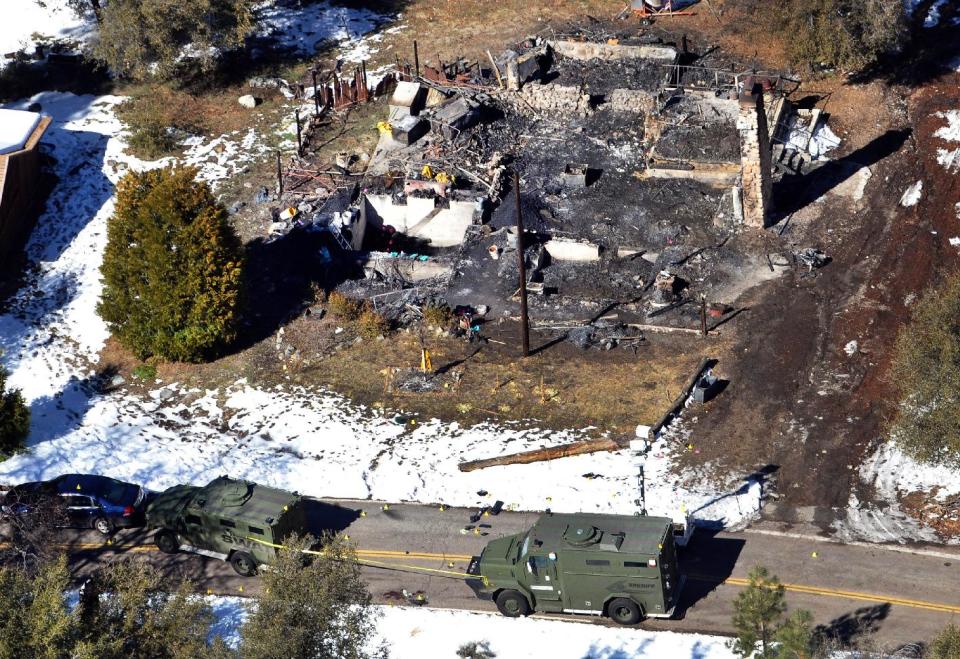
column 631, row 159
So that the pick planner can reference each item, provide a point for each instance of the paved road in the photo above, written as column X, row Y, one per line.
column 889, row 596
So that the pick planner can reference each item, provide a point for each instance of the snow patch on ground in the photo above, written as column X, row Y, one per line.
column 912, row 195
column 23, row 19
column 229, row 614
column 910, row 6
column 949, row 158
column 950, row 132
column 894, row 474
column 932, row 18
column 316, row 25
column 223, row 157
column 412, row 633
column 321, row 445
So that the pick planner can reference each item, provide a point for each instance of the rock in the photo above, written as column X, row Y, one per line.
column 165, row 394
column 237, row 207
column 249, row 101
column 117, row 381
column 262, row 196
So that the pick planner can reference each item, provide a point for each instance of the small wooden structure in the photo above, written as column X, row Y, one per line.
column 20, row 182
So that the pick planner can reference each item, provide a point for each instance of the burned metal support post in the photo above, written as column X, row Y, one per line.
column 316, row 96
column 703, row 315
column 524, row 320
column 279, row 175
column 416, row 58
column 296, row 114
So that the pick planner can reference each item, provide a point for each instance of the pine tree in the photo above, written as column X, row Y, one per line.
column 926, row 373
column 143, row 38
column 318, row 610
column 129, row 614
column 794, row 636
column 757, row 610
column 35, row 622
column 173, row 268
column 14, row 417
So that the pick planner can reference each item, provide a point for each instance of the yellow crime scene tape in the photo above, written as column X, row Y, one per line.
column 369, row 556
column 363, row 560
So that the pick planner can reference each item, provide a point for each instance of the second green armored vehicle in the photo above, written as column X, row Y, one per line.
column 233, row 520
column 623, row 567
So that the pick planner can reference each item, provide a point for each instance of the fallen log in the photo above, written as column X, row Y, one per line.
column 552, row 453
column 663, row 329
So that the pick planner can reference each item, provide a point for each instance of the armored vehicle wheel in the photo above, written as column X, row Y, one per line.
column 244, row 564
column 166, row 541
column 624, row 612
column 103, row 525
column 512, row 604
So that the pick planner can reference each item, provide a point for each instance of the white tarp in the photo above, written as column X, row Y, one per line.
column 15, row 128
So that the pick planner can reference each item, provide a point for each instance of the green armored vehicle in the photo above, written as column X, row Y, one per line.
column 233, row 520
column 607, row 565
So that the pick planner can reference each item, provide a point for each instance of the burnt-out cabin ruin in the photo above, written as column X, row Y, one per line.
column 641, row 178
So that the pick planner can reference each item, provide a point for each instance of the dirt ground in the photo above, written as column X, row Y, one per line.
column 560, row 387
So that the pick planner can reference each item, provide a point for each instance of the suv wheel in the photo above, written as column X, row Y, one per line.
column 166, row 541
column 103, row 525
column 512, row 604
column 244, row 564
column 624, row 611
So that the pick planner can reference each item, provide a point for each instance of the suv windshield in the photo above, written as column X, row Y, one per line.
column 525, row 547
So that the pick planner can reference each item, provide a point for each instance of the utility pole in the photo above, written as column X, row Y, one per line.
column 703, row 314
column 524, row 320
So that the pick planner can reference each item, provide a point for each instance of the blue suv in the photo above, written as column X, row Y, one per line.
column 85, row 500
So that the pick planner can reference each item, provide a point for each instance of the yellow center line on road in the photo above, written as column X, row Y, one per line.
column 731, row 581
column 848, row 594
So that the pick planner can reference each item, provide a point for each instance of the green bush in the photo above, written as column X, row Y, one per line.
column 14, row 418
column 371, row 324
column 147, row 38
column 840, row 34
column 926, row 374
column 438, row 315
column 144, row 372
column 319, row 609
column 123, row 612
column 153, row 118
column 946, row 645
column 172, row 269
column 343, row 307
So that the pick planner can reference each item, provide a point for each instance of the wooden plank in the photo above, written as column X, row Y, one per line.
column 552, row 453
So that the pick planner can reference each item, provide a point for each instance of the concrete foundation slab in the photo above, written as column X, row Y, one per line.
column 589, row 50
column 566, row 249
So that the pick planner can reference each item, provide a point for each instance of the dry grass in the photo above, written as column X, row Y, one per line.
column 451, row 28
column 562, row 387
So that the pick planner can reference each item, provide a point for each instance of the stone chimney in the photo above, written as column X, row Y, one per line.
column 755, row 156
